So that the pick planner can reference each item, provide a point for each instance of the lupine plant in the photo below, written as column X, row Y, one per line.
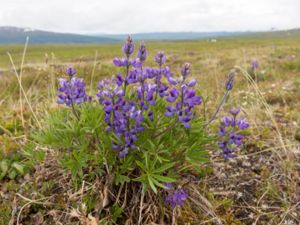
column 143, row 127
column 229, row 130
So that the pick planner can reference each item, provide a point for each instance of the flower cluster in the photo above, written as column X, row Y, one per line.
column 122, row 116
column 229, row 128
column 175, row 197
column 72, row 90
column 127, row 49
column 183, row 97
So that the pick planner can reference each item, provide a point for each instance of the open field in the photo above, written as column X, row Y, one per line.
column 261, row 185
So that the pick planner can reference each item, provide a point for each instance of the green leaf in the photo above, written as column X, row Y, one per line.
column 158, row 183
column 120, row 179
column 164, row 178
column 143, row 179
column 116, row 212
column 150, row 180
column 141, row 165
column 19, row 167
column 164, row 167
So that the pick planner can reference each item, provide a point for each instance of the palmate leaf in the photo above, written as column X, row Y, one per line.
column 152, row 175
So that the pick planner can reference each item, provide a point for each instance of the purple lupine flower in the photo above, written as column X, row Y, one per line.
column 172, row 81
column 222, row 131
column 185, row 70
column 228, row 132
column 175, row 197
column 173, row 95
column 254, row 65
column 235, row 139
column 230, row 79
column 128, row 47
column 133, row 76
column 192, row 83
column 228, row 121
column 121, row 62
column 235, row 111
column 160, row 58
column 150, row 115
column 170, row 111
column 71, row 71
column 183, row 97
column 72, row 91
column 227, row 153
column 161, row 89
column 121, row 116
column 123, row 153
column 142, row 53
column 243, row 124
column 137, row 63
column 119, row 80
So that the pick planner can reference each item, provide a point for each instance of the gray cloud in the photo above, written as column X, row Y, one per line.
column 130, row 16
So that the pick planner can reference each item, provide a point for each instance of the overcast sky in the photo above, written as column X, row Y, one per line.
column 131, row 16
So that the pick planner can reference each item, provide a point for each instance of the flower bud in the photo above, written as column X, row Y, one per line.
column 160, row 58
column 185, row 70
column 142, row 53
column 128, row 47
column 229, row 82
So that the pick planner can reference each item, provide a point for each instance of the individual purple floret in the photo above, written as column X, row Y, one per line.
column 183, row 98
column 121, row 62
column 175, row 197
column 228, row 132
column 72, row 91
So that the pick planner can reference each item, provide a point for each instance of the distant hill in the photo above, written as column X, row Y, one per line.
column 291, row 33
column 15, row 35
column 169, row 36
